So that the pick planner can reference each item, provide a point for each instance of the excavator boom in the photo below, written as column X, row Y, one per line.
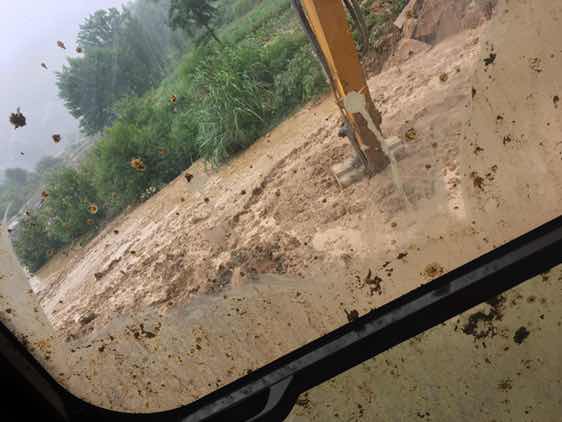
column 326, row 24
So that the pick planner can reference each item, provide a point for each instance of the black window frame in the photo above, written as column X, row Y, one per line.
column 269, row 394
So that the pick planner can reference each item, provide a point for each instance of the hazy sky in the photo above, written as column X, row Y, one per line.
column 29, row 30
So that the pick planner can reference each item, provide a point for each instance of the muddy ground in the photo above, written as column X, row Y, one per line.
column 276, row 209
column 213, row 278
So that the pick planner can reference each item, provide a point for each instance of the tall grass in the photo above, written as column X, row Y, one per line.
column 236, row 100
column 267, row 11
column 232, row 10
column 250, row 87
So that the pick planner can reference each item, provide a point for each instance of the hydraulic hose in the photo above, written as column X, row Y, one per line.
column 357, row 15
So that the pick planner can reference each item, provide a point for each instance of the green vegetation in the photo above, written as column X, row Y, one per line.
column 34, row 246
column 232, row 11
column 68, row 209
column 71, row 209
column 191, row 15
column 265, row 21
column 146, row 131
column 216, row 100
column 120, row 58
column 379, row 22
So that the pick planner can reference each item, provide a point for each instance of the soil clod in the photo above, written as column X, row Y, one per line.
column 520, row 335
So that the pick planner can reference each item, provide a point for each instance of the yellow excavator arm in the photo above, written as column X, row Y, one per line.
column 325, row 22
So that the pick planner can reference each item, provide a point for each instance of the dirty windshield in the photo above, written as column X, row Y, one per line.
column 192, row 189
column 497, row 362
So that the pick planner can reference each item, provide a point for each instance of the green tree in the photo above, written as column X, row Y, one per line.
column 33, row 244
column 89, row 87
column 67, row 209
column 100, row 30
column 153, row 16
column 190, row 15
column 122, row 59
column 141, row 59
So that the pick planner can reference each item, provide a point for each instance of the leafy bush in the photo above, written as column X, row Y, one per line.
column 33, row 245
column 67, row 210
column 145, row 131
column 230, row 10
column 117, row 181
column 281, row 50
column 301, row 81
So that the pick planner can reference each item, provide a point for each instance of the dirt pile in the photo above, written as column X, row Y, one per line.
column 511, row 145
column 431, row 21
column 428, row 22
